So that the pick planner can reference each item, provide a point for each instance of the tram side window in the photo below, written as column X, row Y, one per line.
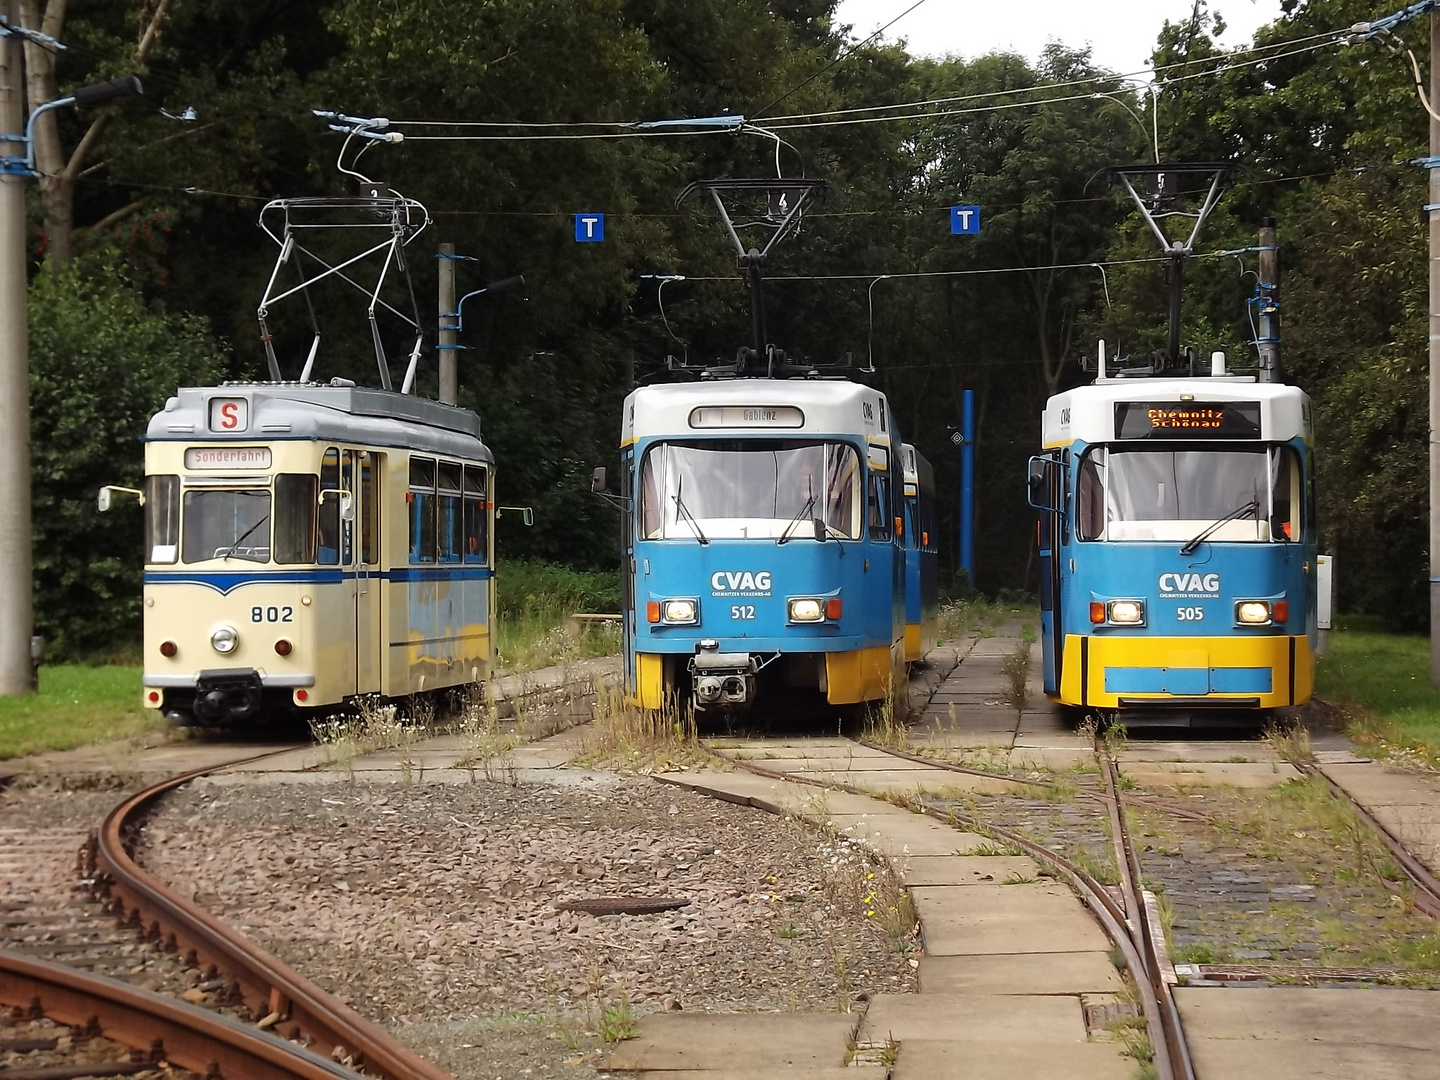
column 477, row 540
column 1286, row 521
column 1091, row 493
column 369, row 508
column 449, row 537
column 329, row 510
column 162, row 519
column 421, row 498
column 295, row 512
column 879, row 506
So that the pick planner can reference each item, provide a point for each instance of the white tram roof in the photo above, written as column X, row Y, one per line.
column 268, row 412
column 774, row 407
column 1088, row 413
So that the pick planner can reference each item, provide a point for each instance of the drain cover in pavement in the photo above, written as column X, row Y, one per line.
column 622, row 905
column 1100, row 1017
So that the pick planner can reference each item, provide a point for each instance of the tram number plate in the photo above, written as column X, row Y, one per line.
column 272, row 614
column 742, row 611
column 1190, row 614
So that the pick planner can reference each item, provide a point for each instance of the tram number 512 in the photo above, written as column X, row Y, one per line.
column 1190, row 614
column 742, row 611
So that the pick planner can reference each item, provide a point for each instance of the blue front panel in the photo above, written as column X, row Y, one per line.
column 742, row 587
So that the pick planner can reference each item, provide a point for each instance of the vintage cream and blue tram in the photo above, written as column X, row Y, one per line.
column 307, row 543
column 762, row 556
column 1177, row 546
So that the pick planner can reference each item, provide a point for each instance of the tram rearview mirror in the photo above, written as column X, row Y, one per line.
column 103, row 502
column 106, row 497
column 347, row 502
column 597, row 480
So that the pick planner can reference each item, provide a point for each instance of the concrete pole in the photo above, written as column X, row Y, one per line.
column 449, row 318
column 1434, row 216
column 16, row 586
column 1269, row 336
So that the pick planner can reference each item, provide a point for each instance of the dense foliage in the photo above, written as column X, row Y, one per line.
column 1322, row 134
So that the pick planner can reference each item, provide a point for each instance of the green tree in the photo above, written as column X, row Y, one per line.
column 102, row 362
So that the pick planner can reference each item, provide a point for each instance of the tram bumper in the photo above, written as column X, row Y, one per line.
column 722, row 679
column 228, row 694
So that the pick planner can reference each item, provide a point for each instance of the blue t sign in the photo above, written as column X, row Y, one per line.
column 589, row 228
column 965, row 220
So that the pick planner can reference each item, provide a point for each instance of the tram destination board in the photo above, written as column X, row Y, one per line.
column 1187, row 420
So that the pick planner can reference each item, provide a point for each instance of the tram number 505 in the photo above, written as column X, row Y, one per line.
column 1190, row 614
column 742, row 611
column 272, row 614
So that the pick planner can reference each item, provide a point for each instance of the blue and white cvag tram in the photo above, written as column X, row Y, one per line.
column 308, row 543
column 762, row 543
column 1177, row 546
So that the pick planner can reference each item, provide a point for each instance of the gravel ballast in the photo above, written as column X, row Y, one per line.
column 432, row 908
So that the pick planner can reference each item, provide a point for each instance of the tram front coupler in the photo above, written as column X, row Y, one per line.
column 722, row 679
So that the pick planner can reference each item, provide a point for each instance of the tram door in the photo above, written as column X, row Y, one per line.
column 627, row 567
column 1047, row 496
column 363, row 470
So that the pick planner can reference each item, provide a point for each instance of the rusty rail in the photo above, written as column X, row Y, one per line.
column 160, row 1028
column 290, row 1003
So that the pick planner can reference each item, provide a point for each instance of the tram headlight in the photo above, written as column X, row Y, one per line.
column 1125, row 612
column 224, row 639
column 1252, row 612
column 679, row 611
column 805, row 610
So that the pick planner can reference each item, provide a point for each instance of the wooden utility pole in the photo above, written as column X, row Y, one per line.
column 16, row 586
column 1434, row 216
column 449, row 321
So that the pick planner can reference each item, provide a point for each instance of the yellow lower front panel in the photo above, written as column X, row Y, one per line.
column 862, row 675
column 649, row 680
column 1100, row 670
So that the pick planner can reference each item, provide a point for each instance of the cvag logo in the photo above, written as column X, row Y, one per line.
column 1189, row 584
column 740, row 583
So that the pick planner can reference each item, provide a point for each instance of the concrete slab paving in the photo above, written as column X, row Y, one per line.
column 967, row 870
column 1311, row 1033
column 934, row 781
column 974, row 1017
column 928, row 1059
column 904, row 835
column 843, row 1072
column 753, row 1043
column 990, row 919
column 1020, row 973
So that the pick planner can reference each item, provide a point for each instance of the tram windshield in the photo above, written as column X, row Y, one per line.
column 1144, row 493
column 749, row 488
column 226, row 523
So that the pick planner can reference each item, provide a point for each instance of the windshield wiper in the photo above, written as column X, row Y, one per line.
column 809, row 505
column 244, row 536
column 681, row 508
column 1251, row 507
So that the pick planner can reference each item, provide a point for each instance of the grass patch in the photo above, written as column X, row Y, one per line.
column 77, row 704
column 1382, row 682
column 534, row 602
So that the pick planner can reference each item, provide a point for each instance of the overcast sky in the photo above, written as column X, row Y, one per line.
column 1120, row 32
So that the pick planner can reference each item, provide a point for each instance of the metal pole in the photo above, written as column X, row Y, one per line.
column 1267, row 291
column 1434, row 358
column 967, row 485
column 449, row 318
column 16, row 585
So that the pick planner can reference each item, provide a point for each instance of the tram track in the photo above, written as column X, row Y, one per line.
column 1123, row 918
column 114, row 913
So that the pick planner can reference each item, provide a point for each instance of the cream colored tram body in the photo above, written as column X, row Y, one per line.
column 306, row 544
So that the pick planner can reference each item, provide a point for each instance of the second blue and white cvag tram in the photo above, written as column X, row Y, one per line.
column 922, row 555
column 1177, row 546
column 762, row 557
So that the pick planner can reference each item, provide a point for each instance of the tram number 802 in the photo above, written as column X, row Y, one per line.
column 272, row 614
column 1190, row 614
